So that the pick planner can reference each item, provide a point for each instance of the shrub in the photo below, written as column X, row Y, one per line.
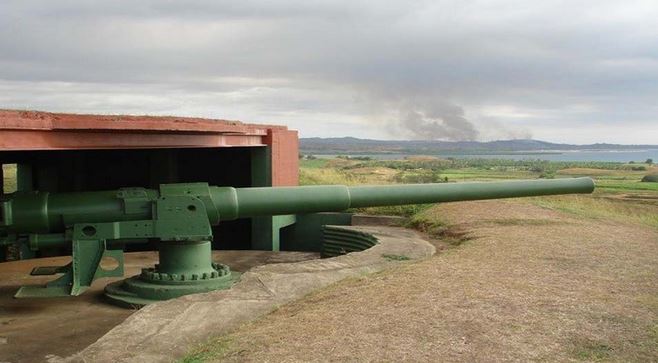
column 651, row 178
column 419, row 177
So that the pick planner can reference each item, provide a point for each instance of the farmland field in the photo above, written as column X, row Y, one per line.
column 619, row 193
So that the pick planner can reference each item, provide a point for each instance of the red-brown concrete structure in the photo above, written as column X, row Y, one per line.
column 58, row 152
column 33, row 130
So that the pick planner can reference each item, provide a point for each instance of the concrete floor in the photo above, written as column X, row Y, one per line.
column 163, row 332
column 32, row 329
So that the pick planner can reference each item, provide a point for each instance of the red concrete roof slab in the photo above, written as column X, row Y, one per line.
column 22, row 130
column 37, row 120
column 17, row 140
column 36, row 130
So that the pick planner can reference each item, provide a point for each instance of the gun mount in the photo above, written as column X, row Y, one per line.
column 97, row 225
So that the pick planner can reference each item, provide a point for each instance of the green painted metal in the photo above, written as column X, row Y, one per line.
column 248, row 202
column 185, row 268
column 24, row 183
column 180, row 217
column 339, row 241
column 264, row 232
column 278, row 223
column 24, row 177
column 306, row 233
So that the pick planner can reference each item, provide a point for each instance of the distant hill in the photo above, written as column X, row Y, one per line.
column 352, row 145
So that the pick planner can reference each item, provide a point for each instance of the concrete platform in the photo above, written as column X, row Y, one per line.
column 165, row 331
column 31, row 330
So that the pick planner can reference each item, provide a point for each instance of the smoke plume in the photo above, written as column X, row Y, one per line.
column 436, row 121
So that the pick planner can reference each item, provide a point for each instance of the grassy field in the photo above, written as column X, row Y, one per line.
column 620, row 194
column 560, row 278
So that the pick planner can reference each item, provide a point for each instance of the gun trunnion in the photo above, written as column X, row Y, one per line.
column 97, row 225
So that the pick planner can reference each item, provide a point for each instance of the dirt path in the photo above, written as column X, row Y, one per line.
column 533, row 284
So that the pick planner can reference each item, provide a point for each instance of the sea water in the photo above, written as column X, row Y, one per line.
column 622, row 156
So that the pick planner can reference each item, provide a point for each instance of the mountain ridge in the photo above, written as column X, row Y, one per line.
column 350, row 144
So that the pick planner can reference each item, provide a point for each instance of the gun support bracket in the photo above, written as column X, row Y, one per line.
column 180, row 223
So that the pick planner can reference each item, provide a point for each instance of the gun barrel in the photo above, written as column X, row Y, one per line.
column 250, row 202
column 454, row 192
column 51, row 213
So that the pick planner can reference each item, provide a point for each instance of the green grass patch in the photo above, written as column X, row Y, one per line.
column 313, row 163
column 430, row 222
column 427, row 225
column 626, row 185
column 207, row 351
column 324, row 176
column 396, row 257
column 592, row 351
column 394, row 210
column 602, row 208
column 485, row 174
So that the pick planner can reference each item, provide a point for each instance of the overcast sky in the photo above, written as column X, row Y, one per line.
column 562, row 71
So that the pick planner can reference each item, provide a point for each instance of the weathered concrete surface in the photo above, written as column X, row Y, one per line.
column 31, row 329
column 163, row 331
column 375, row 220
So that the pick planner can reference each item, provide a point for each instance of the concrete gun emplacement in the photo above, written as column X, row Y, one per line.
column 179, row 217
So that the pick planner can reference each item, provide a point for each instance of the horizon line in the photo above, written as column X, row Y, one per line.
column 473, row 141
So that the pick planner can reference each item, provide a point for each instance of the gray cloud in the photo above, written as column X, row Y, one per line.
column 436, row 69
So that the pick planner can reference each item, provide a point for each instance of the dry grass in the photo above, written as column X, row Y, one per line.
column 328, row 176
column 534, row 285
column 340, row 163
column 365, row 175
column 375, row 175
column 637, row 212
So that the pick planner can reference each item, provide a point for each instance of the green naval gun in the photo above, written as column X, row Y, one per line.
column 179, row 217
